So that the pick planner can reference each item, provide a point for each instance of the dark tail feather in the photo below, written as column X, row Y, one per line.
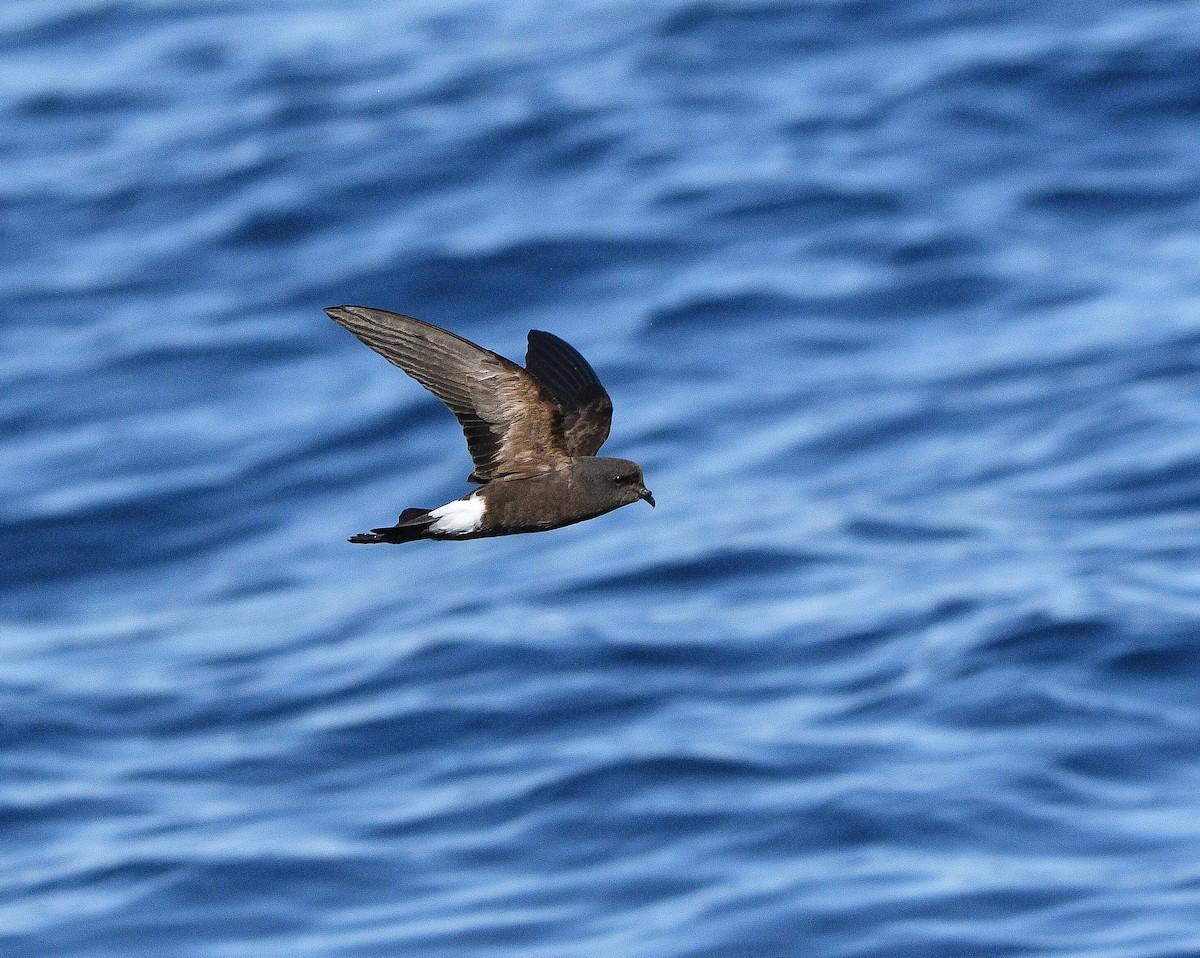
column 409, row 527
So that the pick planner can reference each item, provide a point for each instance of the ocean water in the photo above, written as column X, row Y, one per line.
column 899, row 307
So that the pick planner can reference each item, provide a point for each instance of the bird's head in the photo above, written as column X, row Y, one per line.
column 624, row 477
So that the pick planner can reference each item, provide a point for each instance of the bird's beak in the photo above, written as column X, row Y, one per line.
column 647, row 495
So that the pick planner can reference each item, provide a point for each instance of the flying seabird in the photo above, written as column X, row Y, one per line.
column 533, row 433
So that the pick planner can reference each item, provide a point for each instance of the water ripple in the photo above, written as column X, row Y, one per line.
column 897, row 306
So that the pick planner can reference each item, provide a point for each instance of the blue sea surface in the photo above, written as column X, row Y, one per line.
column 899, row 307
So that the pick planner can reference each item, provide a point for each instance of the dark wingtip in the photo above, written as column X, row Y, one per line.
column 547, row 340
column 367, row 537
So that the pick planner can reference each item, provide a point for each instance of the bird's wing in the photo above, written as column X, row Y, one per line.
column 586, row 408
column 513, row 425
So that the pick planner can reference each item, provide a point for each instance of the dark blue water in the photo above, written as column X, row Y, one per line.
column 899, row 306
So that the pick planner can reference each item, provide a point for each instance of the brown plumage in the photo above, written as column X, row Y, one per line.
column 533, row 433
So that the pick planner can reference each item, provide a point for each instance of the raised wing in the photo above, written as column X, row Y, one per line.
column 513, row 426
column 586, row 408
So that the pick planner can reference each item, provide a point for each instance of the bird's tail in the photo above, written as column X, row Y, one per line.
column 411, row 526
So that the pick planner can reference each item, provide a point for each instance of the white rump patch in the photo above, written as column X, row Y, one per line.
column 458, row 517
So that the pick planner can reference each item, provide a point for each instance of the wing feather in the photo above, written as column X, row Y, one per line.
column 513, row 425
column 586, row 407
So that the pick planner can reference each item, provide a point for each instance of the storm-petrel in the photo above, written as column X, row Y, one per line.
column 533, row 433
